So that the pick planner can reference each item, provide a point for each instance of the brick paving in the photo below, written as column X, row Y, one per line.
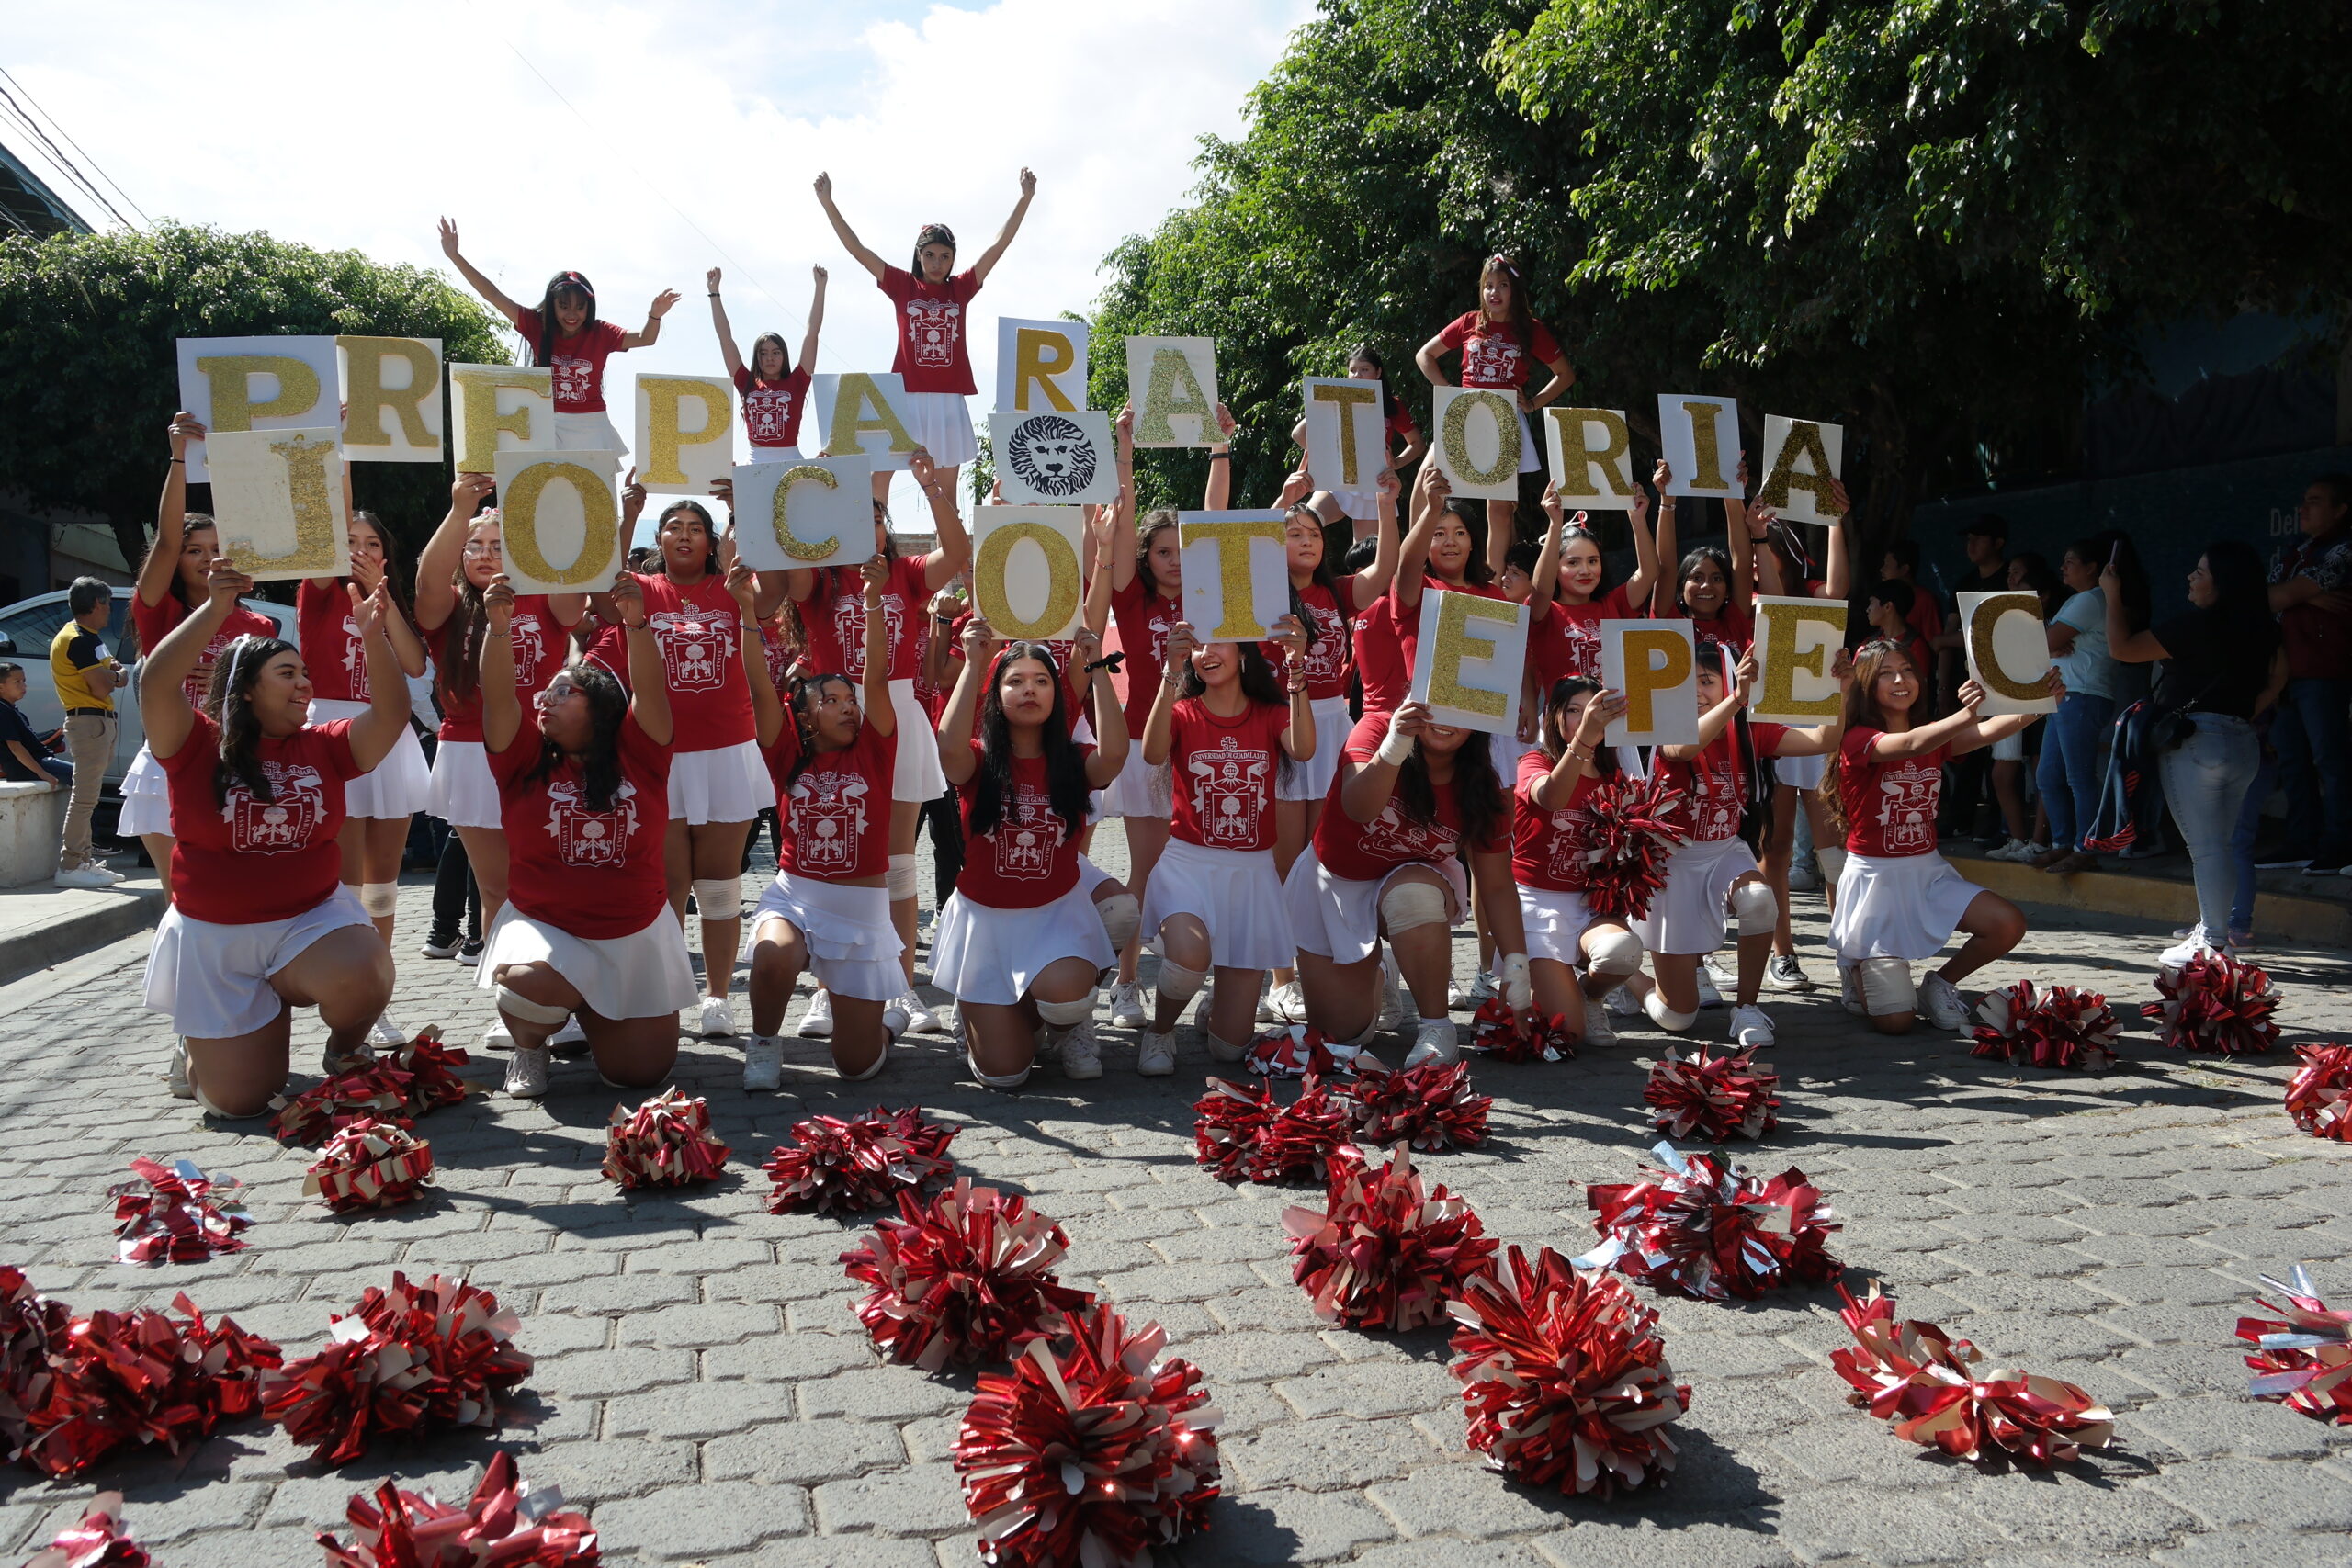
column 704, row 1388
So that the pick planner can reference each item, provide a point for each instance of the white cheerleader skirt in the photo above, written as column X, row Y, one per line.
column 398, row 786
column 587, row 432
column 1364, row 505
column 1311, row 779
column 1142, row 790
column 1339, row 918
column 852, row 948
column 460, row 791
column 776, row 454
column 214, row 979
column 1235, row 893
column 917, row 775
column 1557, row 921
column 1505, row 748
column 2010, row 747
column 146, row 799
column 1903, row 907
column 1686, row 915
column 943, row 425
column 1801, row 772
column 981, row 953
column 643, row 975
column 727, row 783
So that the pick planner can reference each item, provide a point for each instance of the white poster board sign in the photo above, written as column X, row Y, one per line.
column 500, row 408
column 1590, row 456
column 392, row 399
column 1655, row 664
column 277, row 496
column 234, row 384
column 559, row 520
column 1171, row 382
column 685, row 432
column 1347, row 434
column 863, row 414
column 1796, row 643
column 1470, row 660
column 1040, row 367
column 817, row 512
column 1055, row 460
column 1026, row 578
column 1475, row 437
column 1699, row 437
column 2008, row 651
column 1236, row 572
column 1801, row 456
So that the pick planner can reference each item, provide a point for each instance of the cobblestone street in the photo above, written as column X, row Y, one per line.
column 703, row 1388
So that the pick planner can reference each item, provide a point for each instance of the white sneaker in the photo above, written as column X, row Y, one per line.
column 1127, row 1004
column 1620, row 1003
column 334, row 1063
column 1081, row 1053
column 1709, row 979
column 1750, row 1027
column 176, row 1072
column 1438, row 1041
column 1289, row 1003
column 432, row 948
column 763, row 1063
column 1804, row 876
column 572, row 1040
column 1942, row 1002
column 1785, row 974
column 1156, row 1055
column 2195, row 943
column 921, row 1019
column 2007, row 850
column 1267, row 1012
column 1849, row 992
column 86, row 877
column 717, row 1018
column 1396, row 1008
column 817, row 1024
column 384, row 1034
column 497, row 1037
column 526, row 1073
column 1596, row 1025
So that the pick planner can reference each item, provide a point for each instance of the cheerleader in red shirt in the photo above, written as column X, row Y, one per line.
column 1714, row 588
column 934, row 303
column 1223, row 727
column 774, row 390
column 1501, row 343
column 1033, row 924
column 1552, row 834
column 260, row 921
column 1401, row 442
column 1436, row 554
column 567, row 338
column 587, row 932
column 1567, row 602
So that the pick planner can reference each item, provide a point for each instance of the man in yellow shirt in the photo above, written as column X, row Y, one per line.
column 86, row 677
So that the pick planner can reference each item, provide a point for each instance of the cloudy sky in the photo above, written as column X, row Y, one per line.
column 664, row 140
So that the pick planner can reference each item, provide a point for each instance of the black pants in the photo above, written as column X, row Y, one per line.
column 455, row 896
column 945, row 819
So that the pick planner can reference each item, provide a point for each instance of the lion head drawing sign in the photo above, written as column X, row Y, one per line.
column 1052, row 456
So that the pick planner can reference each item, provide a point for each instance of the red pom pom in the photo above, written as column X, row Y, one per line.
column 666, row 1142
column 2060, row 1027
column 1429, row 1107
column 956, row 1280
column 1226, row 1124
column 1307, row 1137
column 413, row 1357
column 1635, row 823
column 31, row 1326
column 2320, row 1096
column 120, row 1379
column 500, row 1524
column 1933, row 1388
column 369, row 1164
column 1498, row 1032
column 1092, row 1450
column 378, row 1092
column 2216, row 1003
column 1704, row 1228
column 1383, row 1252
column 1711, row 1099
column 99, row 1541
column 2306, row 1354
column 177, row 1213
column 1563, row 1376
column 431, row 1067
column 1298, row 1052
column 861, row 1162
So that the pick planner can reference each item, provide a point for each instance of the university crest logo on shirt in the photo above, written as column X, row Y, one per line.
column 1229, row 791
column 827, row 818
column 285, row 822
column 526, row 635
column 696, row 648
column 1906, row 814
column 586, row 838
column 1394, row 836
column 1027, row 836
column 934, row 326
column 849, row 627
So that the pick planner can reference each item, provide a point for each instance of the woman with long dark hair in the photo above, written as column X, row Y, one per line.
column 2068, row 775
column 1501, row 343
column 774, row 391
column 1574, row 956
column 1713, row 587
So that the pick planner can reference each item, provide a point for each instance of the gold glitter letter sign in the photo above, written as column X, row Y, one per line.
column 1795, row 640
column 1655, row 663
column 863, row 415
column 255, row 383
column 2008, row 651
column 790, row 516
column 1347, row 440
column 1805, row 459
column 678, row 453
column 279, row 496
column 1026, row 570
column 1040, row 367
column 561, row 520
column 1469, row 660
column 1172, row 383
column 1587, row 448
column 1700, row 439
column 392, row 399
column 1477, row 442
column 1236, row 573
column 501, row 408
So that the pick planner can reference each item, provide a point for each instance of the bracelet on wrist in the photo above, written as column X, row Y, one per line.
column 1220, row 456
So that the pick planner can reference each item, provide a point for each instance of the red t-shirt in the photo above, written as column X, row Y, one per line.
column 1386, row 639
column 1714, row 782
column 1400, row 426
column 154, row 623
column 1224, row 774
column 1031, row 859
column 1366, row 851
column 597, row 874
column 1492, row 354
column 836, row 815
column 932, row 353
column 834, row 615
column 1327, row 655
column 333, row 652
column 1926, row 617
column 772, row 409
column 1143, row 619
column 1547, row 847
column 700, row 632
column 541, row 645
column 578, row 362
column 1567, row 641
column 1890, row 806
column 1732, row 628
column 780, row 658
column 607, row 646
column 251, row 861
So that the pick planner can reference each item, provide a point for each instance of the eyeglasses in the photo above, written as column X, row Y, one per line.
column 492, row 549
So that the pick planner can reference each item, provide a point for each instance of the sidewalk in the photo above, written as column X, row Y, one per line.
column 2289, row 906
column 43, row 924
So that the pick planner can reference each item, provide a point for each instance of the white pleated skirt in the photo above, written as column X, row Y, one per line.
column 852, row 948
column 643, row 975
column 1235, row 893
column 399, row 786
column 1505, row 749
column 1338, row 917
column 980, row 954
column 1141, row 790
column 587, row 432
column 776, row 454
column 727, row 783
column 1686, row 915
column 1556, row 921
column 214, row 979
column 1801, row 772
column 943, row 424
column 1898, row 906
column 146, row 798
column 1311, row 779
column 460, row 791
column 917, row 775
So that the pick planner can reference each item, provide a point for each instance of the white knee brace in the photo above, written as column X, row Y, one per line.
column 1120, row 914
column 1066, row 1015
column 1610, row 955
column 1178, row 984
column 1665, row 1016
column 1753, row 906
column 1409, row 904
column 1832, row 861
column 719, row 898
column 1885, row 984
column 529, row 1012
column 380, row 898
column 899, row 880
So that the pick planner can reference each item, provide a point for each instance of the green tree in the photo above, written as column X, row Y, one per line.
column 89, row 377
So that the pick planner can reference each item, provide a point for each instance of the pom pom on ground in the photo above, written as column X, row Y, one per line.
column 1306, row 1137
column 1564, row 1377
column 121, row 1380
column 1429, row 1107
column 859, row 1162
column 2304, row 1355
column 415, row 1356
column 1496, row 1031
column 1227, row 1123
column 1297, row 1052
column 176, row 1213
column 1092, row 1450
column 31, row 1326
column 500, row 1524
column 369, row 1164
column 1385, row 1252
column 378, row 1091
column 666, row 1142
column 1710, row 1098
column 432, row 1070
column 2320, row 1096
column 1636, row 822
column 957, row 1280
column 1703, row 1227
column 99, row 1541
column 1938, row 1394
column 2059, row 1027
column 2215, row 1003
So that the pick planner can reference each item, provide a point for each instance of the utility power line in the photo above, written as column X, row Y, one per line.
column 67, row 165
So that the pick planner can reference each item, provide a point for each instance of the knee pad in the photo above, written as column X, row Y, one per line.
column 1753, row 906
column 529, row 1012
column 1409, row 904
column 1665, row 1016
column 1178, row 984
column 1885, row 984
column 1612, row 954
column 1831, row 860
column 719, row 897
column 1121, row 914
column 995, row 1080
column 380, row 898
column 1066, row 1015
column 899, row 880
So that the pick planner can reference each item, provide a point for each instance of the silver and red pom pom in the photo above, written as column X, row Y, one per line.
column 666, row 1142
column 2302, row 1357
column 2215, row 1002
column 857, row 1163
column 1429, row 1107
column 957, row 1280
column 501, row 1523
column 1710, row 1098
column 2319, row 1096
column 1700, row 1225
column 2057, row 1026
column 1384, row 1251
column 100, row 1541
column 124, row 1380
column 1636, row 823
column 1296, row 1051
column 176, row 1213
column 369, row 1164
column 1496, row 1031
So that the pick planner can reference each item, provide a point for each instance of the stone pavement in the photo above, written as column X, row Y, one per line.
column 705, row 1390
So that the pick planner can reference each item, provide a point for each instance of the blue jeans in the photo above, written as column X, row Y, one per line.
column 2257, row 795
column 2068, row 774
column 2313, row 740
column 2206, row 777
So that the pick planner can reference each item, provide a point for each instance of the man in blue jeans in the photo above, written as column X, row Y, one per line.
column 2310, row 591
column 24, row 759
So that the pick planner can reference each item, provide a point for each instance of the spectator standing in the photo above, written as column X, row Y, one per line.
column 2069, row 771
column 86, row 676
column 1985, row 541
column 24, row 756
column 2310, row 592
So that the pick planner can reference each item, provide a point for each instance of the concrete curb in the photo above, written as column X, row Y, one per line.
column 85, row 922
column 2278, row 917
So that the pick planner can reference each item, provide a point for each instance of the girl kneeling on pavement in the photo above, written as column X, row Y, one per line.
column 1550, row 833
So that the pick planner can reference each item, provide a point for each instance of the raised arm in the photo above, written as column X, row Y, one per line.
column 645, row 335
column 1545, row 579
column 1374, row 579
column 767, row 710
column 480, row 284
column 649, row 682
column 873, row 693
column 842, row 231
column 1367, row 786
column 437, row 563
column 375, row 732
column 163, row 562
column 954, row 551
column 995, row 253
column 956, row 720
column 1298, row 735
column 816, row 323
column 501, row 709
column 1413, row 553
column 632, row 508
column 1662, row 591
column 1110, row 716
column 1837, row 576
column 1103, row 538
column 1645, row 547
column 1822, row 738
column 1716, row 719
column 2122, row 643
column 729, row 354
column 1158, row 727
column 1218, row 494
column 1557, row 788
column 1742, row 596
column 162, row 696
